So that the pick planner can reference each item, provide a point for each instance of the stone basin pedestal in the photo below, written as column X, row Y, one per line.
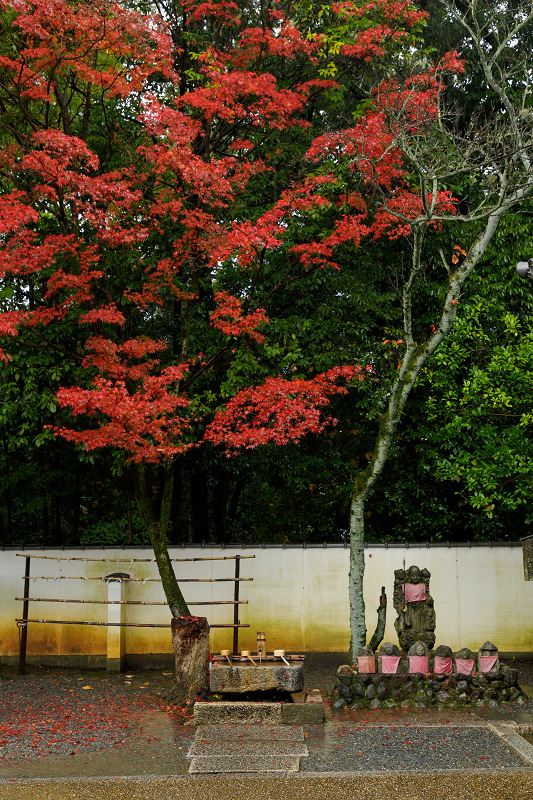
column 248, row 681
column 244, row 678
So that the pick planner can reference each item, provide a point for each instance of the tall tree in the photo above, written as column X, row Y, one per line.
column 422, row 172
column 137, row 152
column 164, row 214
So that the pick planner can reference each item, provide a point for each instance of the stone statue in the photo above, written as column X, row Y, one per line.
column 413, row 603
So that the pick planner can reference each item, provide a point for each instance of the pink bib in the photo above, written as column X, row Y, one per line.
column 366, row 664
column 443, row 666
column 414, row 592
column 487, row 663
column 464, row 666
column 389, row 664
column 418, row 664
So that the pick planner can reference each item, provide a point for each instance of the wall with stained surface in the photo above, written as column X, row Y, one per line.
column 298, row 597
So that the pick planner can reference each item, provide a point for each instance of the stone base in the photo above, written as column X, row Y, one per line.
column 235, row 713
column 417, row 690
column 302, row 713
column 244, row 678
column 235, row 764
column 309, row 713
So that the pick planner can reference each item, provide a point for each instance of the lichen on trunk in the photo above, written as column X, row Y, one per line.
column 153, row 493
column 190, row 640
column 415, row 356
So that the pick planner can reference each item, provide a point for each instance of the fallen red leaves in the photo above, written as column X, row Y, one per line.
column 59, row 721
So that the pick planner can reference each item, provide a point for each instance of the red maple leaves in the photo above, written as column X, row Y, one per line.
column 117, row 226
column 229, row 319
column 279, row 411
column 136, row 410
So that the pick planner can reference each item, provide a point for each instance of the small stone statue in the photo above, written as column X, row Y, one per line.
column 414, row 605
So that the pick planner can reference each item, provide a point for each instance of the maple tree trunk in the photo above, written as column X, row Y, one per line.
column 153, row 493
column 190, row 635
column 190, row 640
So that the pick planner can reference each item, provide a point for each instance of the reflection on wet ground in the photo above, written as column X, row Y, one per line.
column 380, row 740
column 156, row 743
column 158, row 747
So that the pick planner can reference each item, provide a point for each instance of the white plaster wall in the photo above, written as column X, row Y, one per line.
column 298, row 597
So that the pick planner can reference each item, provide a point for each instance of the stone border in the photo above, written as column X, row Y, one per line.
column 509, row 733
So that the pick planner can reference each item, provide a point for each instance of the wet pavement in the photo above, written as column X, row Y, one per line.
column 143, row 752
column 157, row 743
column 157, row 746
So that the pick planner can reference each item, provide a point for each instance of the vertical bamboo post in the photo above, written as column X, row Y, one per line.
column 236, row 606
column 24, row 628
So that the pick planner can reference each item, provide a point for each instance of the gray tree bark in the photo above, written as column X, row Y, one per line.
column 190, row 635
column 190, row 640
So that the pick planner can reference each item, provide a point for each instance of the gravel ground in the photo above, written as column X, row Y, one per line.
column 352, row 749
column 66, row 722
column 48, row 713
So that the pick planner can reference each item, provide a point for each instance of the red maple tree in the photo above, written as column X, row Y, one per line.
column 129, row 145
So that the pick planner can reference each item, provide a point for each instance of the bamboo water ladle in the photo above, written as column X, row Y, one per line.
column 281, row 654
column 246, row 654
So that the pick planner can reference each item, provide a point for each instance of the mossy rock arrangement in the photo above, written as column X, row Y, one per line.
column 417, row 690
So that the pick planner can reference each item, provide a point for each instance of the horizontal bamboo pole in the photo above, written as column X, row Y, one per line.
column 119, row 624
column 129, row 602
column 130, row 560
column 135, row 580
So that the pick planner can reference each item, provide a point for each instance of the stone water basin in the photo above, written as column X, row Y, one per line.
column 241, row 678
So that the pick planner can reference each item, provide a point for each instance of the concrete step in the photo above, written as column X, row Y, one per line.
column 244, row 763
column 309, row 713
column 292, row 733
column 249, row 748
column 224, row 749
column 235, row 713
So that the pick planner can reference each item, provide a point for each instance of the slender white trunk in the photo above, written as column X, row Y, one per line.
column 357, row 570
column 414, row 359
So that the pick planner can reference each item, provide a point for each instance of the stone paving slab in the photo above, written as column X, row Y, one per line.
column 244, row 752
column 250, row 747
column 233, row 713
column 244, row 763
column 258, row 732
column 510, row 736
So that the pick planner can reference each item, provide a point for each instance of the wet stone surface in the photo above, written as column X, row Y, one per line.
column 154, row 742
column 352, row 749
column 244, row 678
column 65, row 723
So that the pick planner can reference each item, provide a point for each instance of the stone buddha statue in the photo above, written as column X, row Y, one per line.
column 414, row 606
